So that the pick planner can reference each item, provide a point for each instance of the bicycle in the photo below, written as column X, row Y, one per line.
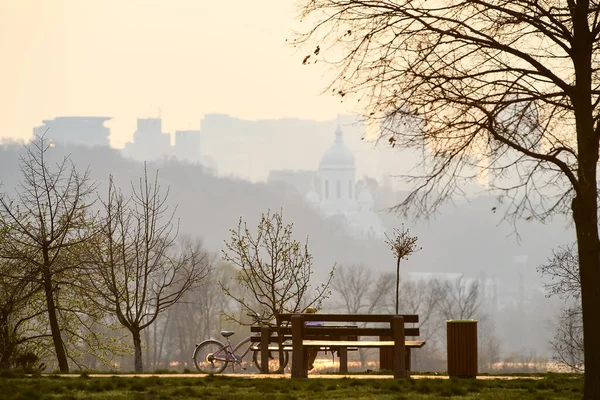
column 212, row 356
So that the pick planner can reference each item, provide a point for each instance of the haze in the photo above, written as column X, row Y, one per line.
column 177, row 59
column 222, row 72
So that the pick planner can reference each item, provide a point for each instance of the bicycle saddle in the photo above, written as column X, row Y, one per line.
column 227, row 333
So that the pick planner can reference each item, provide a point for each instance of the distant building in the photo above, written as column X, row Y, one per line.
column 187, row 146
column 85, row 131
column 149, row 142
column 334, row 192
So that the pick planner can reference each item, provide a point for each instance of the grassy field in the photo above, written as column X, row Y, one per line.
column 221, row 387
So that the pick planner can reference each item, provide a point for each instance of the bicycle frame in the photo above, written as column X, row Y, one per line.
column 227, row 353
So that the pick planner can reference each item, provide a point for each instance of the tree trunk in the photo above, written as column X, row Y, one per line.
column 585, row 203
column 147, row 340
column 397, row 284
column 137, row 350
column 7, row 346
column 280, row 341
column 61, row 354
column 589, row 271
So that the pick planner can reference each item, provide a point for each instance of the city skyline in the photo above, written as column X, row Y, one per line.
column 73, row 58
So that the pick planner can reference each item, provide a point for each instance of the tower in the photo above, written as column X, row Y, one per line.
column 336, row 176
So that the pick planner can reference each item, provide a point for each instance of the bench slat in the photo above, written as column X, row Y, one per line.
column 342, row 331
column 289, row 348
column 350, row 345
column 335, row 331
column 409, row 318
column 365, row 343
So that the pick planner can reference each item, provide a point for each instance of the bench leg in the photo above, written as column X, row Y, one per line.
column 398, row 335
column 298, row 353
column 343, row 353
column 407, row 360
column 386, row 355
column 265, row 337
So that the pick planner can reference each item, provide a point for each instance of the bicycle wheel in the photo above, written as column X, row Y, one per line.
column 210, row 357
column 273, row 359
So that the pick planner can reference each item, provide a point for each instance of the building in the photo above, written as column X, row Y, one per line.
column 187, row 146
column 149, row 142
column 82, row 131
column 337, row 196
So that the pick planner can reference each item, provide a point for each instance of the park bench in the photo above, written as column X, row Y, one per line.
column 342, row 338
column 268, row 339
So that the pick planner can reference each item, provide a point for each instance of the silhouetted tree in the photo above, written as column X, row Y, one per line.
column 138, row 269
column 508, row 87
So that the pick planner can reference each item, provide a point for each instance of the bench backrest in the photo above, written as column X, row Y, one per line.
column 353, row 331
column 408, row 318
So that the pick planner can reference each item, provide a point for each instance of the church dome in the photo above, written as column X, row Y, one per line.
column 338, row 156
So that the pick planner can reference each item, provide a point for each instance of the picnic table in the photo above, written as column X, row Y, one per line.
column 342, row 337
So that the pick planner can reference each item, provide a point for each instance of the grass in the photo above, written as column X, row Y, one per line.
column 552, row 386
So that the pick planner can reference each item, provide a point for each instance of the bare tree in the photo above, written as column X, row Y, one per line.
column 359, row 292
column 423, row 297
column 461, row 298
column 43, row 225
column 402, row 245
column 274, row 269
column 488, row 352
column 196, row 316
column 139, row 270
column 563, row 272
column 507, row 87
column 567, row 345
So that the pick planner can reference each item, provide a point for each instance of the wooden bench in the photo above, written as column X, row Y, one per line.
column 269, row 335
column 343, row 337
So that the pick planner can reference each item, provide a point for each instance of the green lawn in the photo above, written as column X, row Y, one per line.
column 221, row 387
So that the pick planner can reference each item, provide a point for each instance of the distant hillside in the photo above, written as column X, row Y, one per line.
column 467, row 237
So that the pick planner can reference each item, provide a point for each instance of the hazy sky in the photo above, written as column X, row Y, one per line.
column 137, row 58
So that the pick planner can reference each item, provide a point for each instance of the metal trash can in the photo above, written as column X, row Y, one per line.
column 462, row 348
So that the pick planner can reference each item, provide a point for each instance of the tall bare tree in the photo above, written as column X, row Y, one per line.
column 139, row 269
column 502, row 86
column 43, row 224
column 274, row 269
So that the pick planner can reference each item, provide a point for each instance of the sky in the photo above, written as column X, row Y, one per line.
column 177, row 59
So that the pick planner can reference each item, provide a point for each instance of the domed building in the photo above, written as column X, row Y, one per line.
column 335, row 193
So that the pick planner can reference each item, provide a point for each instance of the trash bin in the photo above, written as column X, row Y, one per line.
column 462, row 348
